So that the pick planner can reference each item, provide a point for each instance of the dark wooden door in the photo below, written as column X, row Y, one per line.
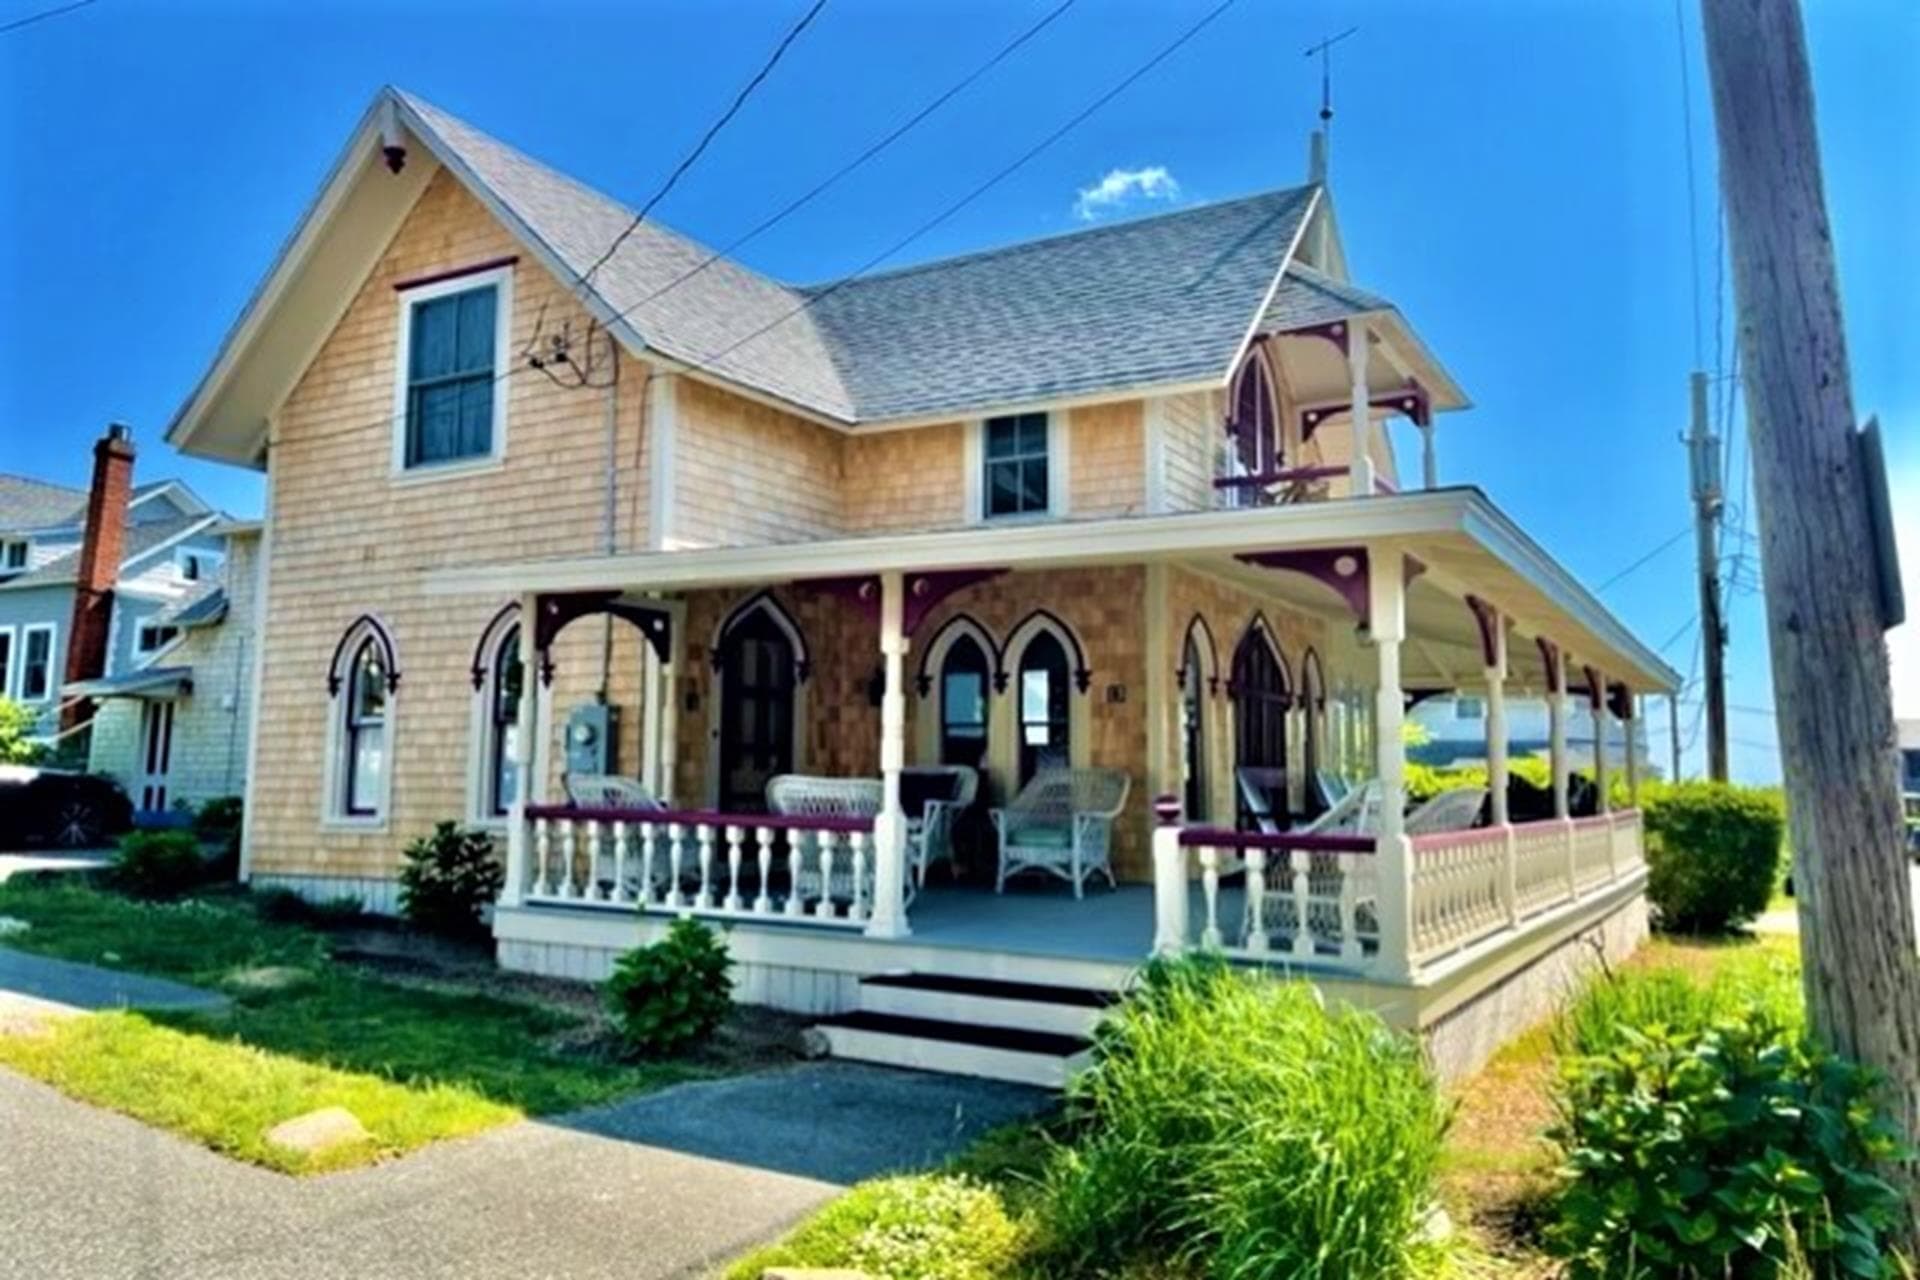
column 756, row 711
column 1260, row 702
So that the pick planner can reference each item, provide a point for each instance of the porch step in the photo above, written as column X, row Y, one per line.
column 986, row 1002
column 1040, row 1058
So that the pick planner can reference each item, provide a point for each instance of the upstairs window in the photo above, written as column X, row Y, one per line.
column 1016, row 481
column 152, row 638
column 14, row 559
column 36, row 671
column 453, row 339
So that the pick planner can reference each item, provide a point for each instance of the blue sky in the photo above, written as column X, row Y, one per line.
column 1512, row 173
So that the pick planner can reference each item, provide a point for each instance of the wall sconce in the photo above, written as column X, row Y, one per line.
column 1116, row 693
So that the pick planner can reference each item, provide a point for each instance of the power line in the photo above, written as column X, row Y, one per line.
column 1685, row 627
column 713, row 131
column 794, row 206
column 1683, row 532
column 1005, row 172
column 43, row 15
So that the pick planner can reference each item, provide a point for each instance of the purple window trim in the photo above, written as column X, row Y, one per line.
column 495, row 626
column 455, row 273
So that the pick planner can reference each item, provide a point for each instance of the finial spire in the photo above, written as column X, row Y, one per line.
column 1317, row 155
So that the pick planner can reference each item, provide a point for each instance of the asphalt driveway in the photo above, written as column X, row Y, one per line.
column 665, row 1185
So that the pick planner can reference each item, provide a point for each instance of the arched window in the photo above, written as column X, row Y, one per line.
column 1193, row 732
column 1253, row 424
column 1313, row 697
column 1261, row 697
column 1045, row 700
column 761, row 659
column 365, row 756
column 506, row 676
column 963, row 703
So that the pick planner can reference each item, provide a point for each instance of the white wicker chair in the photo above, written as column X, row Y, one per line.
column 1454, row 810
column 930, row 832
column 1062, row 823
column 611, row 791
column 804, row 796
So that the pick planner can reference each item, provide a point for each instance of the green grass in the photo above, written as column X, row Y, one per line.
column 423, row 1063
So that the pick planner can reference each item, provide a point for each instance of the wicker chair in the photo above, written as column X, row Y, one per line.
column 800, row 795
column 1454, row 810
column 930, row 831
column 611, row 791
column 1062, row 823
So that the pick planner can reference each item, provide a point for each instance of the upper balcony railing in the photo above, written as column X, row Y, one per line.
column 1289, row 485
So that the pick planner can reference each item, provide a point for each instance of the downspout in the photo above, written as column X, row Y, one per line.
column 609, row 518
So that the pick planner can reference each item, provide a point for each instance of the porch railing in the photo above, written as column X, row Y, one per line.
column 792, row 869
column 1315, row 899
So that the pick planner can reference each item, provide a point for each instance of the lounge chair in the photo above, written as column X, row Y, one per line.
column 1062, row 823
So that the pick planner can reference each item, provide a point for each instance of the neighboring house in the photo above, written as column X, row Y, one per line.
column 1455, row 727
column 1122, row 500
column 98, row 585
column 1909, row 733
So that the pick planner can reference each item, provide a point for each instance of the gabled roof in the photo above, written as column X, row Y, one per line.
column 1162, row 301
column 34, row 504
column 1307, row 297
column 204, row 605
column 143, row 539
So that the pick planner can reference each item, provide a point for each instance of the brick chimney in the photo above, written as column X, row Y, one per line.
column 102, row 548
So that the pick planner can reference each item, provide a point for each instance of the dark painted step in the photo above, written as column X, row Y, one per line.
column 1010, row 1039
column 994, row 989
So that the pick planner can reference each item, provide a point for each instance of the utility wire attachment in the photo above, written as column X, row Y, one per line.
column 1325, row 50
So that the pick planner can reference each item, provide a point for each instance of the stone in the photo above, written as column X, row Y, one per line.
column 10, row 925
column 814, row 1044
column 272, row 977
column 319, row 1131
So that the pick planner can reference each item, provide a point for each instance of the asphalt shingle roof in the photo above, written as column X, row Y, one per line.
column 141, row 538
column 1158, row 300
column 205, row 603
column 1307, row 297
column 35, row 504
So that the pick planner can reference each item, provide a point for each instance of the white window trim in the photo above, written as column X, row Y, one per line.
column 480, row 729
column 502, row 279
column 209, row 561
column 52, row 631
column 1003, row 731
column 26, row 555
column 333, row 803
column 1059, row 471
column 10, row 674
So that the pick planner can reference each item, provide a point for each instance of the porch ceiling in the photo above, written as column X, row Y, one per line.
column 1466, row 543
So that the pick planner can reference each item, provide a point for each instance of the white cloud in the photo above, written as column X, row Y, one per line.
column 1123, row 187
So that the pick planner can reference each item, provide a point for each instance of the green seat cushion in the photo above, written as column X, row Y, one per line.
column 1045, row 837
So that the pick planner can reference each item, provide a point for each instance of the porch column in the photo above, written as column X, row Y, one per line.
column 890, row 826
column 1429, row 465
column 525, row 755
column 1360, row 468
column 1387, row 598
column 1497, row 763
column 1557, row 729
column 1597, row 700
column 1632, row 728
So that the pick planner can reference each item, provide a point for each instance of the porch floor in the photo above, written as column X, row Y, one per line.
column 1113, row 925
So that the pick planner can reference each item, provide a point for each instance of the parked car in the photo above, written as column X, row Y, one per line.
column 60, row 809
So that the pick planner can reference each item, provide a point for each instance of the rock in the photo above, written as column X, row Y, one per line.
column 10, row 925
column 272, row 977
column 1436, row 1227
column 319, row 1131
column 814, row 1043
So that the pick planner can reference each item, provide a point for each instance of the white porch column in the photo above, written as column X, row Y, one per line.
column 1557, row 730
column 890, row 826
column 1597, row 701
column 1170, row 887
column 1387, row 600
column 1497, row 763
column 526, row 754
column 1429, row 464
column 1360, row 469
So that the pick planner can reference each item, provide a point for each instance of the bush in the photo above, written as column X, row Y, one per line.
column 1707, row 1138
column 158, row 864
column 921, row 1228
column 16, row 723
column 1713, row 853
column 671, row 995
column 1233, row 1125
column 449, row 879
column 64, row 810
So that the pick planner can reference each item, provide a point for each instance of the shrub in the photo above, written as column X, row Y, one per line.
column 64, row 810
column 931, row 1227
column 449, row 879
column 671, row 995
column 1234, row 1125
column 1730, row 1149
column 16, row 723
column 1713, row 853
column 158, row 864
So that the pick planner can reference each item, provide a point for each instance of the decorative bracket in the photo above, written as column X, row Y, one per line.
column 1412, row 400
column 553, row 612
column 1345, row 569
column 1487, row 618
column 1620, row 701
column 924, row 591
column 1550, row 656
column 1596, row 691
column 1335, row 331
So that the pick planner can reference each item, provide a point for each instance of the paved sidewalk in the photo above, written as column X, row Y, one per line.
column 667, row 1185
column 36, row 986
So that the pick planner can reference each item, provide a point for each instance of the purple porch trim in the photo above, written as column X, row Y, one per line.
column 1487, row 618
column 437, row 277
column 553, row 612
column 1227, row 838
column 1342, row 568
column 1620, row 701
column 691, row 817
column 1550, row 658
column 925, row 591
column 1283, row 476
column 1595, row 691
column 1334, row 331
column 1411, row 400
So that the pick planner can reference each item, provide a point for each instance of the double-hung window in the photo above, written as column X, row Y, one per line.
column 6, row 661
column 452, row 349
column 36, row 669
column 1016, row 480
column 14, row 558
column 503, row 712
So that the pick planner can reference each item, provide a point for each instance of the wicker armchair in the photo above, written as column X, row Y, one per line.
column 608, row 791
column 800, row 795
column 1062, row 823
column 930, row 831
column 611, row 791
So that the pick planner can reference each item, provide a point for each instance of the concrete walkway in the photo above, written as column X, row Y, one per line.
column 37, row 985
column 667, row 1185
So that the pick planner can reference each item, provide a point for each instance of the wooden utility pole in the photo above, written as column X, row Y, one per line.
column 1703, row 462
column 1821, row 560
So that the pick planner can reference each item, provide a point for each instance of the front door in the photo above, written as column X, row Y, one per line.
column 756, row 711
column 156, row 753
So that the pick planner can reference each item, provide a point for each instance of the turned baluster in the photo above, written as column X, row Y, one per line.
column 763, row 901
column 705, row 833
column 1300, row 867
column 590, row 883
column 823, row 908
column 857, row 850
column 568, row 851
column 676, row 838
column 646, row 832
column 542, row 857
column 796, row 860
column 1256, row 939
column 734, row 836
column 1210, row 892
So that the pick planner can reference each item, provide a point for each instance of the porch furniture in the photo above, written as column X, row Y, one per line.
column 1062, row 823
column 805, row 796
column 1258, row 784
column 611, row 791
column 934, row 797
column 1356, row 813
column 608, row 791
column 1453, row 810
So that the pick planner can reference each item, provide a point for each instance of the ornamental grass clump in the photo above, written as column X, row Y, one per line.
column 1236, row 1126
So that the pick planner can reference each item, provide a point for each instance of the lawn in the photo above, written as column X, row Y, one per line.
column 414, row 1060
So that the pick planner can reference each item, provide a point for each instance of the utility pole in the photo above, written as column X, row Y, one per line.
column 1703, row 460
column 1823, row 564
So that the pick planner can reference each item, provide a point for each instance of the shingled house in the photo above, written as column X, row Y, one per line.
column 701, row 588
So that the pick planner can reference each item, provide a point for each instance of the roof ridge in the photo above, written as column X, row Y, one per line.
column 1047, row 241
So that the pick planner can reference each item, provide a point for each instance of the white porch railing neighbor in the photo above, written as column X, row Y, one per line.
column 804, row 870
column 1246, row 894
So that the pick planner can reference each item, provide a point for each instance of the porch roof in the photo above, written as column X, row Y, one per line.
column 1466, row 544
column 149, row 682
